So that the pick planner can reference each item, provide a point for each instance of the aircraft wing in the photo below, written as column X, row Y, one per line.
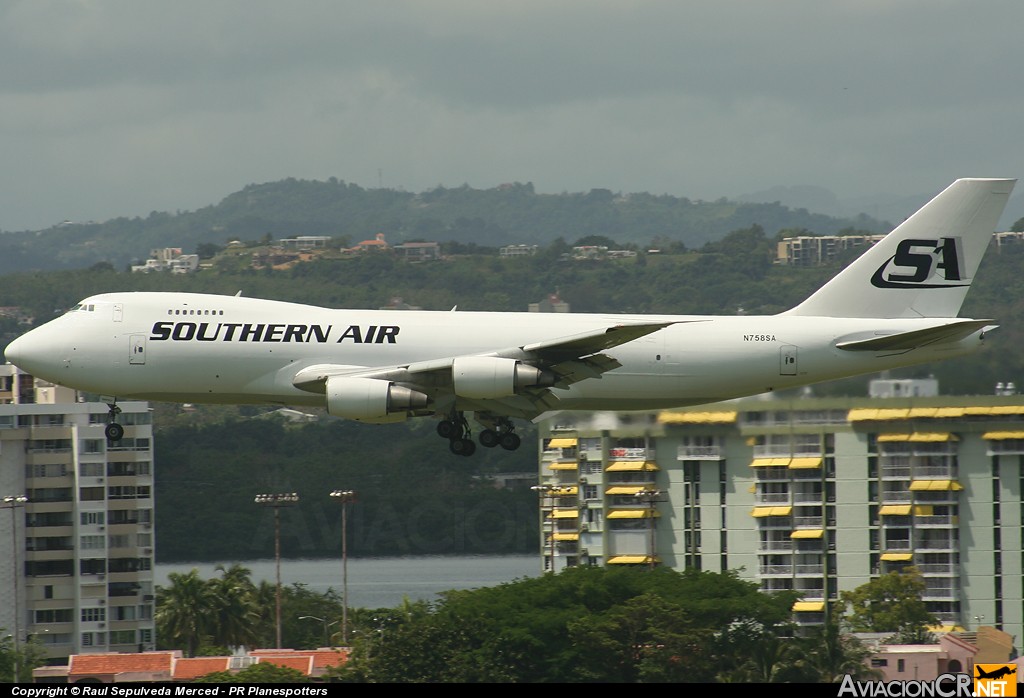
column 567, row 359
column 906, row 341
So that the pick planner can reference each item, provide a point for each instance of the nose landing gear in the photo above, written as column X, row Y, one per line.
column 114, row 431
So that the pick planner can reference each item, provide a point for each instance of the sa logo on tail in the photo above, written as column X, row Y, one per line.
column 923, row 258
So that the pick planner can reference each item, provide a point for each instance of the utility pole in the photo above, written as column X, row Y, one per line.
column 11, row 502
column 276, row 501
column 346, row 497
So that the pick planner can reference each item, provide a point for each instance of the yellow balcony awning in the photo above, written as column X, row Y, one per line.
column 633, row 513
column 924, row 510
column 994, row 410
column 919, row 437
column 895, row 510
column 625, row 489
column 805, row 463
column 1002, row 435
column 567, row 536
column 1008, row 409
column 564, row 466
column 949, row 412
column 565, row 513
column 630, row 466
column 761, row 512
column 781, row 462
column 944, row 628
column 897, row 557
column 632, row 560
column 706, row 417
column 861, row 415
column 935, row 486
column 809, row 606
column 562, row 443
column 922, row 412
column 808, row 533
column 877, row 415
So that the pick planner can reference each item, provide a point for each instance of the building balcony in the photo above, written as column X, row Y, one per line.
column 699, row 453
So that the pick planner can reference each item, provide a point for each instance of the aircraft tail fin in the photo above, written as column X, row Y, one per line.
column 925, row 266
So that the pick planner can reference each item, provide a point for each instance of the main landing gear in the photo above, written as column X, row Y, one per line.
column 113, row 430
column 455, row 428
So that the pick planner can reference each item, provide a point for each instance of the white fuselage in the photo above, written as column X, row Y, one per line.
column 226, row 349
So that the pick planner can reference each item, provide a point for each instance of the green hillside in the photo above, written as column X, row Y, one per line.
column 510, row 214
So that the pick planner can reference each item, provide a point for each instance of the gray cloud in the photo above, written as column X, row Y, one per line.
column 115, row 107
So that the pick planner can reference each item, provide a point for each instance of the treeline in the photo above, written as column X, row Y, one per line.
column 583, row 625
column 508, row 214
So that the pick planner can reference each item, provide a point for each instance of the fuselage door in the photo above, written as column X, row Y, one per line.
column 787, row 360
column 137, row 349
column 118, row 312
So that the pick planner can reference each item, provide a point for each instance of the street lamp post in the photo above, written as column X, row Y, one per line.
column 276, row 501
column 548, row 491
column 326, row 626
column 346, row 497
column 11, row 502
column 650, row 497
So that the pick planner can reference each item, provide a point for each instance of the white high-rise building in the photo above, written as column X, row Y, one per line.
column 76, row 556
column 813, row 495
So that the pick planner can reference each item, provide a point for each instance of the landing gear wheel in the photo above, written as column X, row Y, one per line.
column 489, row 438
column 447, row 429
column 462, row 447
column 510, row 441
column 114, row 431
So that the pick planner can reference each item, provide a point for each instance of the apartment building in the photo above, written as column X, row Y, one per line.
column 76, row 567
column 817, row 495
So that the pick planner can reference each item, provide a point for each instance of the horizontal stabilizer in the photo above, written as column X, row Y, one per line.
column 905, row 341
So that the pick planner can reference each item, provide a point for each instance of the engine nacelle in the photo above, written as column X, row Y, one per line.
column 483, row 377
column 371, row 400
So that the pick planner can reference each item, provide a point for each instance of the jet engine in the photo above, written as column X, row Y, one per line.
column 483, row 377
column 371, row 400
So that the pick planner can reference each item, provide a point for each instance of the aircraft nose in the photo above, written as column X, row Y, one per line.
column 31, row 352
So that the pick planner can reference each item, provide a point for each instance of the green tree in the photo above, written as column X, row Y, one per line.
column 832, row 654
column 646, row 639
column 583, row 624
column 185, row 612
column 235, row 611
column 891, row 603
column 29, row 655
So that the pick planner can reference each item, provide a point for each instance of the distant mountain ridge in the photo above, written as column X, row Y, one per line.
column 883, row 207
column 508, row 214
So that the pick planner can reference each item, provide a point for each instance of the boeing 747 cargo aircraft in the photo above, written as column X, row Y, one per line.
column 895, row 305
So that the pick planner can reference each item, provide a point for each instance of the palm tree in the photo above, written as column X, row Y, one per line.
column 235, row 612
column 184, row 611
column 832, row 654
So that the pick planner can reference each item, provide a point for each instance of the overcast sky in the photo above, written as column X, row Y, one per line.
column 121, row 107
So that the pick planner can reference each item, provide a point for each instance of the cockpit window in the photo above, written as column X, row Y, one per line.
column 83, row 307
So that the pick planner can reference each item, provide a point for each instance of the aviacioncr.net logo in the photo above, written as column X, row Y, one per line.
column 995, row 679
column 925, row 263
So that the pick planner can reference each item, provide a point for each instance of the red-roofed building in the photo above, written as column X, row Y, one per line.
column 188, row 668
column 377, row 244
column 120, row 668
column 171, row 666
